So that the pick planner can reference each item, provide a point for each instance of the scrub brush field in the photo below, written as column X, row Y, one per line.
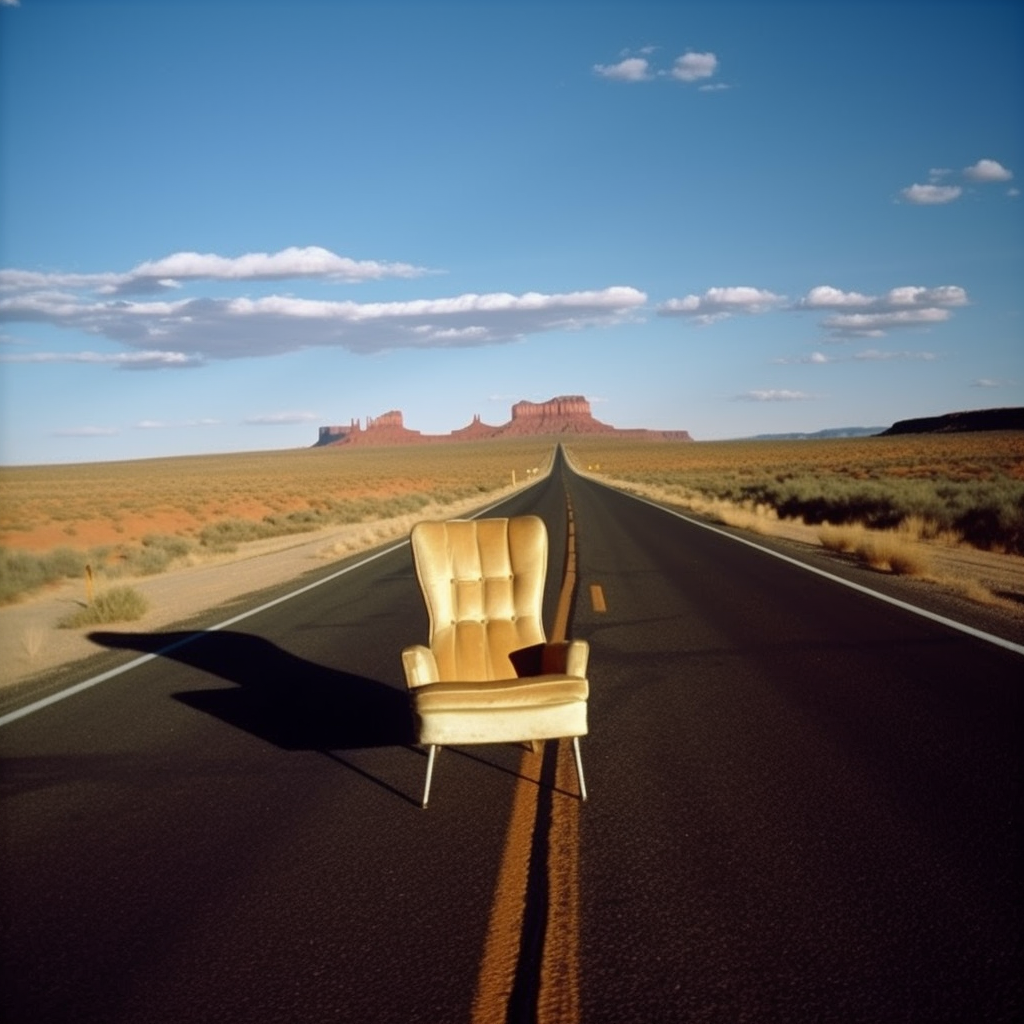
column 130, row 519
column 943, row 507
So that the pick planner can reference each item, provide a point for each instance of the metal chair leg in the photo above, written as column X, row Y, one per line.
column 430, row 772
column 579, row 767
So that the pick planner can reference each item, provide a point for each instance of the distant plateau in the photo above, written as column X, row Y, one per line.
column 565, row 415
column 570, row 415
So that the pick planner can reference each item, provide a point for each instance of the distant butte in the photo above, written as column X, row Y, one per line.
column 567, row 414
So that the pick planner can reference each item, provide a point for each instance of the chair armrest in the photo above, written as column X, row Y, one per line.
column 568, row 658
column 420, row 665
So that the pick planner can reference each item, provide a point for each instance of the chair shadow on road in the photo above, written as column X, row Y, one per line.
column 281, row 698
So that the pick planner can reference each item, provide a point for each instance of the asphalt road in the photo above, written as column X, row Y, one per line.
column 804, row 807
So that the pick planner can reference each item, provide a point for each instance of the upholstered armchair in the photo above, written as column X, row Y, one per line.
column 488, row 675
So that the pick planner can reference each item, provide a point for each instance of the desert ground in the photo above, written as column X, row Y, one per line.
column 192, row 533
column 245, row 523
column 32, row 643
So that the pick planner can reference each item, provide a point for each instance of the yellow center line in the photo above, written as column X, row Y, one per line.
column 597, row 598
column 561, row 624
column 558, row 997
column 501, row 948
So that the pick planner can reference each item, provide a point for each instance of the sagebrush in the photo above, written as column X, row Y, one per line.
column 967, row 485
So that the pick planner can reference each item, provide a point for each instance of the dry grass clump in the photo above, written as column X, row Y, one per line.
column 894, row 551
column 32, row 640
column 975, row 591
column 118, row 604
column 753, row 517
column 22, row 571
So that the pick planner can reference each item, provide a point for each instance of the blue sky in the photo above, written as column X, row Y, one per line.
column 223, row 224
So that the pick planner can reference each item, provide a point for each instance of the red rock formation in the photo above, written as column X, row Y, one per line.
column 475, row 431
column 386, row 421
column 333, row 435
column 567, row 414
column 386, row 429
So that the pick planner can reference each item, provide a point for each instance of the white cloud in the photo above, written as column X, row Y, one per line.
column 146, row 360
column 308, row 262
column 873, row 325
column 931, row 195
column 187, row 330
column 164, row 425
column 471, row 304
column 860, row 315
column 812, row 359
column 915, row 295
column 935, row 194
column 473, row 333
column 772, row 395
column 279, row 419
column 855, row 314
column 987, row 170
column 824, row 296
column 691, row 67
column 869, row 355
column 169, row 271
column 86, row 432
column 874, row 355
column 827, row 297
column 24, row 280
column 719, row 303
column 632, row 69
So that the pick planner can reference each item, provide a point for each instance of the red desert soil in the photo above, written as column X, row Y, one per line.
column 92, row 533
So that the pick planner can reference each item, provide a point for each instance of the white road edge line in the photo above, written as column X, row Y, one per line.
column 923, row 612
column 85, row 684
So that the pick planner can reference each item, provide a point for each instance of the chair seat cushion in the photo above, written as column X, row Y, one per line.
column 500, row 693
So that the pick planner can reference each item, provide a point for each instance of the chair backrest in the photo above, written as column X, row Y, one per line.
column 483, row 584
